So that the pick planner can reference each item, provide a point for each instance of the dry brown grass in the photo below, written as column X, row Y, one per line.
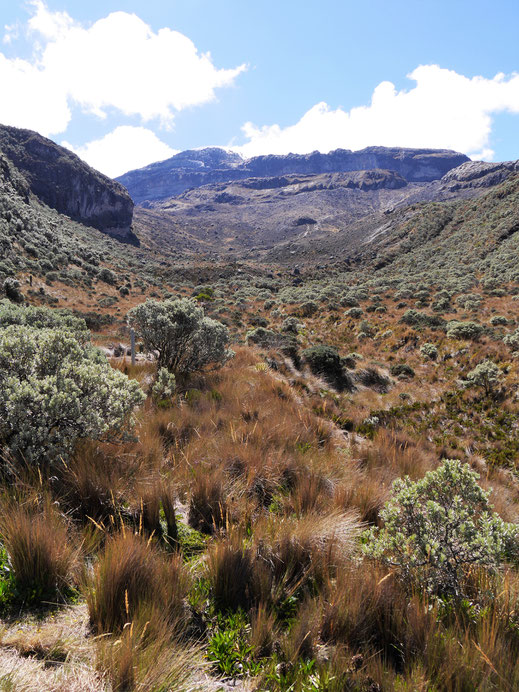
column 42, row 554
column 257, row 464
column 55, row 654
column 137, row 661
column 132, row 579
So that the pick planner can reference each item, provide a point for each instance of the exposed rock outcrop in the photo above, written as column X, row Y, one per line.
column 62, row 181
column 192, row 169
column 476, row 174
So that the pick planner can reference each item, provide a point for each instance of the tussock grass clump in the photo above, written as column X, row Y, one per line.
column 95, row 483
column 230, row 569
column 155, row 498
column 132, row 578
column 41, row 553
column 287, row 559
column 145, row 659
column 208, row 508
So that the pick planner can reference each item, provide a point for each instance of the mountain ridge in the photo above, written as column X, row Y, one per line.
column 195, row 168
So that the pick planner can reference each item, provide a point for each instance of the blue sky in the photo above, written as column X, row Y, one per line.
column 125, row 83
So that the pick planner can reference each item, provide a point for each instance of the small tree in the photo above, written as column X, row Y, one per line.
column 55, row 391
column 436, row 527
column 486, row 375
column 186, row 341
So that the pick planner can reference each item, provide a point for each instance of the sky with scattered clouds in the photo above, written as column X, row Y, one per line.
column 127, row 83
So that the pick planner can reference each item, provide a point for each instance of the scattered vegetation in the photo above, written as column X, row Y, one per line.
column 311, row 514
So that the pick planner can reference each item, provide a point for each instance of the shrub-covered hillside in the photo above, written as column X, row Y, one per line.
column 241, row 522
column 308, row 479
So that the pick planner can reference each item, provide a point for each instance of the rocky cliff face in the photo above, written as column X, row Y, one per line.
column 478, row 174
column 192, row 169
column 62, row 181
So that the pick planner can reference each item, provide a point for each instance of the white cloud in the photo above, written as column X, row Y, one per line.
column 444, row 110
column 31, row 98
column 50, row 25
column 118, row 63
column 122, row 150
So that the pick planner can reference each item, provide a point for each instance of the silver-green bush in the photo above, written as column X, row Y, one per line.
column 54, row 391
column 177, row 330
column 438, row 526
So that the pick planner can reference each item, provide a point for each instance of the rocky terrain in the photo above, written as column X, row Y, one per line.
column 195, row 168
column 59, row 179
column 298, row 217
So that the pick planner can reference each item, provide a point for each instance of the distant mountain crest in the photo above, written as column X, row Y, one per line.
column 195, row 168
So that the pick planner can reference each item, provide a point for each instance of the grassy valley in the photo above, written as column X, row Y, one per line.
column 228, row 512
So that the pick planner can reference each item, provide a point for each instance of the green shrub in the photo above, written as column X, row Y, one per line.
column 308, row 309
column 325, row 361
column 12, row 290
column 349, row 301
column 429, row 350
column 164, row 387
column 438, row 526
column 498, row 320
column 402, row 370
column 43, row 317
column 108, row 276
column 486, row 375
column 186, row 341
column 54, row 391
column 414, row 318
column 512, row 340
column 470, row 331
column 264, row 338
column 291, row 325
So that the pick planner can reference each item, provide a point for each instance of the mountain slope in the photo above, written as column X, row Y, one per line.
column 59, row 179
column 306, row 216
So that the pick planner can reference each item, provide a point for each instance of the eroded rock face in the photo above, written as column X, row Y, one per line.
column 62, row 181
column 479, row 174
column 192, row 169
column 415, row 165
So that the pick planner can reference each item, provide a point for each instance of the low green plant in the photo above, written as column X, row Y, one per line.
column 229, row 648
column 164, row 387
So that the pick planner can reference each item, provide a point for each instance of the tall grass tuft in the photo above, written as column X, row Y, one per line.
column 144, row 659
column 42, row 556
column 131, row 578
column 208, row 508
